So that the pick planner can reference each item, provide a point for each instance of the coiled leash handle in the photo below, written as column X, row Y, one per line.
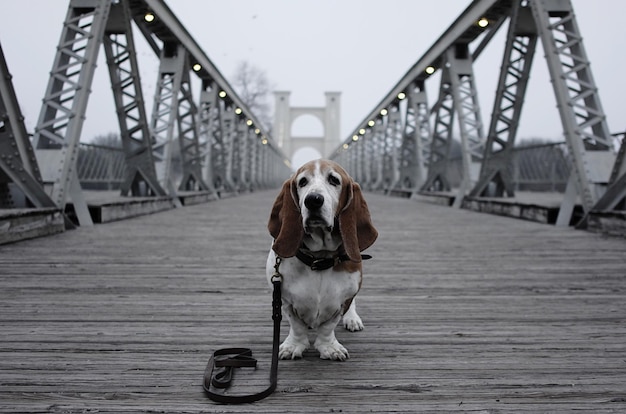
column 219, row 371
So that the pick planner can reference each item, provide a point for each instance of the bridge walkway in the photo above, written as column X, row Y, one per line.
column 463, row 311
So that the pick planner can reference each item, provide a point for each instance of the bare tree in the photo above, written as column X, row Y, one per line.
column 111, row 139
column 253, row 87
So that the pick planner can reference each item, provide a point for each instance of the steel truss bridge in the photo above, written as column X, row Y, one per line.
column 404, row 143
column 403, row 146
column 223, row 146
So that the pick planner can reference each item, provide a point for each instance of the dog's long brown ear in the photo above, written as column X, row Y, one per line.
column 355, row 224
column 285, row 224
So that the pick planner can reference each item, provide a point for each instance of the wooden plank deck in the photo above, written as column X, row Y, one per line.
column 463, row 312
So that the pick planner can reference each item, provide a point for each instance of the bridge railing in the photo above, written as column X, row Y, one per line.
column 100, row 167
column 542, row 167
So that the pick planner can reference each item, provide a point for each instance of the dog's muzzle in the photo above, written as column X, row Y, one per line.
column 314, row 202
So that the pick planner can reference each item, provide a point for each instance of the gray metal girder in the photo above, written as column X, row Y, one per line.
column 495, row 176
column 465, row 97
column 119, row 47
column 584, row 123
column 59, row 127
column 209, row 127
column 191, row 155
column 165, row 112
column 441, row 141
column 18, row 165
column 415, row 150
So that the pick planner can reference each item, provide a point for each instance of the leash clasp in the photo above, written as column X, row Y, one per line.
column 277, row 277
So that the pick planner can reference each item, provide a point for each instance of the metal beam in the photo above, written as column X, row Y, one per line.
column 209, row 127
column 392, row 144
column 228, row 121
column 415, row 150
column 64, row 105
column 188, row 137
column 441, row 142
column 584, row 123
column 18, row 165
column 119, row 47
column 465, row 97
column 165, row 111
column 495, row 175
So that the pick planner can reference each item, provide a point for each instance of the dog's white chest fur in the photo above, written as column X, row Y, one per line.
column 315, row 297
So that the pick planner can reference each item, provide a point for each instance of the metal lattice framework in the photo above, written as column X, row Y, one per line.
column 598, row 176
column 393, row 143
column 18, row 166
column 119, row 48
column 208, row 129
column 465, row 98
column 164, row 111
column 188, row 137
column 224, row 149
column 441, row 139
column 222, row 146
column 415, row 149
column 65, row 102
column 512, row 83
column 583, row 119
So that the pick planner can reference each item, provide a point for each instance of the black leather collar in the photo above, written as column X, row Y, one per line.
column 322, row 263
column 325, row 262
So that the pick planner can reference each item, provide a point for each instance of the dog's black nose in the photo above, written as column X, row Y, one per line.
column 314, row 201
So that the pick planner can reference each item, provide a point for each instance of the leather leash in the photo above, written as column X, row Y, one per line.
column 219, row 371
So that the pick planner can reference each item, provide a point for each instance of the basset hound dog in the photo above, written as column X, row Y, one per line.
column 320, row 223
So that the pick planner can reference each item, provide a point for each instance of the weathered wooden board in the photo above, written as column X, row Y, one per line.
column 107, row 206
column 611, row 223
column 26, row 223
column 463, row 312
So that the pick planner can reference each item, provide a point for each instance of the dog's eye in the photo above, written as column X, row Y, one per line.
column 332, row 180
column 302, row 182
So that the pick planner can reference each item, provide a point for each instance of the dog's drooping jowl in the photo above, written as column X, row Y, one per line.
column 320, row 223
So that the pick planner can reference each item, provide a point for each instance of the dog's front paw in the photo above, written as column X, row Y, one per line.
column 332, row 350
column 352, row 322
column 291, row 349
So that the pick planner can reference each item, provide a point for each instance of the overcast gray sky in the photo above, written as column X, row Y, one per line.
column 360, row 48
